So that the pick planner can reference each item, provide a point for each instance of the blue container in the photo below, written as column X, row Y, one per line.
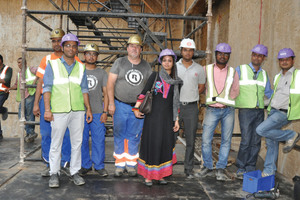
column 253, row 182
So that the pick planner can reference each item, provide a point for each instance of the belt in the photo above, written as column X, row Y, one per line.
column 188, row 103
column 131, row 104
column 218, row 107
column 282, row 110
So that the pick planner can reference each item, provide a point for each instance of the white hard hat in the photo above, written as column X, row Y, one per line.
column 187, row 43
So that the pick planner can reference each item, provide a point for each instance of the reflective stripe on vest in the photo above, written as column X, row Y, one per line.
column 66, row 94
column 212, row 95
column 251, row 90
column 294, row 97
column 2, row 76
column 30, row 77
column 42, row 71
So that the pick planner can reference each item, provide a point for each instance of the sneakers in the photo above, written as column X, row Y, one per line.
column 162, row 182
column 78, row 180
column 5, row 114
column 54, row 181
column 102, row 172
column 84, row 171
column 240, row 174
column 220, row 175
column 204, row 172
column 264, row 174
column 66, row 171
column 131, row 171
column 30, row 137
column 119, row 172
column 291, row 143
column 45, row 172
column 189, row 176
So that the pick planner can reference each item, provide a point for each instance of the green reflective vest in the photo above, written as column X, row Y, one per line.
column 66, row 94
column 251, row 90
column 294, row 98
column 212, row 95
column 29, row 78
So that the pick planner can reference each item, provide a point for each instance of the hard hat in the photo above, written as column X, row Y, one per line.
column 285, row 53
column 57, row 33
column 166, row 52
column 69, row 37
column 260, row 49
column 135, row 39
column 223, row 47
column 187, row 43
column 91, row 47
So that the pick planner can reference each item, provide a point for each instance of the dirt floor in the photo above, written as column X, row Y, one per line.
column 25, row 182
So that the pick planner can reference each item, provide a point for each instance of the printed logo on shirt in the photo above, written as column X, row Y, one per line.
column 134, row 77
column 196, row 74
column 92, row 82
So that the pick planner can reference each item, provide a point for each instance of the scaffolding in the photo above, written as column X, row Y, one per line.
column 92, row 19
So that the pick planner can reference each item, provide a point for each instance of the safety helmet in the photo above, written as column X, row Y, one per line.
column 260, row 49
column 91, row 47
column 69, row 37
column 285, row 53
column 166, row 52
column 135, row 39
column 187, row 43
column 57, row 33
column 223, row 47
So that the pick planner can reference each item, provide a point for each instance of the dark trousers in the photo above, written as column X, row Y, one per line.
column 250, row 141
column 3, row 98
column 189, row 116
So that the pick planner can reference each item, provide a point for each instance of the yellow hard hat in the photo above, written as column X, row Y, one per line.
column 91, row 47
column 57, row 33
column 135, row 39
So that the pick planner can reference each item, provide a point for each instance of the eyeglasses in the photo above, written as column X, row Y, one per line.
column 91, row 54
column 223, row 54
column 71, row 46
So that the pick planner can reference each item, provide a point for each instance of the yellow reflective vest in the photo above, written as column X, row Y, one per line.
column 212, row 95
column 66, row 94
column 29, row 78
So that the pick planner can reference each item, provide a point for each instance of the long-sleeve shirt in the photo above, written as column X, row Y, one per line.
column 220, row 76
column 48, row 77
column 268, row 89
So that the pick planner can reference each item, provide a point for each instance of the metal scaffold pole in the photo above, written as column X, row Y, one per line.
column 209, row 21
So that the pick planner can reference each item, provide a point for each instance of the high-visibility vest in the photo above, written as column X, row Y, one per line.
column 251, row 90
column 2, row 76
column 212, row 95
column 66, row 94
column 294, row 97
column 30, row 77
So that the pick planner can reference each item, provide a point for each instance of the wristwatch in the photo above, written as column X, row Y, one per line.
column 105, row 112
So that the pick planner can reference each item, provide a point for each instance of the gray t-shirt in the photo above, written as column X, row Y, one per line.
column 131, row 79
column 191, row 76
column 97, row 79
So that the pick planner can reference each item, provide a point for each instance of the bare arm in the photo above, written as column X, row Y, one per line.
column 36, row 107
column 201, row 88
column 112, row 78
column 104, row 115
column 89, row 115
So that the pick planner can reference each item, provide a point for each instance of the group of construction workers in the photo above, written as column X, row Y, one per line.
column 73, row 100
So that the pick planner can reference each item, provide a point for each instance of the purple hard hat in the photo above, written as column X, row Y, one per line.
column 285, row 53
column 223, row 47
column 260, row 49
column 167, row 52
column 69, row 37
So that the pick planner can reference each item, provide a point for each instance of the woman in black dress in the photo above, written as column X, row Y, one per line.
column 157, row 149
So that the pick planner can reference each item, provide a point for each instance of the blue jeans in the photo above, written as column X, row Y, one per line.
column 271, row 130
column 250, row 140
column 29, row 101
column 98, row 144
column 211, row 120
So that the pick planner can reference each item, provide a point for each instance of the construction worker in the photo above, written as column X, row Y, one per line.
column 65, row 84
column 193, row 77
column 222, row 87
column 126, row 80
column 254, row 87
column 283, row 108
column 97, row 79
column 5, row 78
column 30, row 79
column 39, row 108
